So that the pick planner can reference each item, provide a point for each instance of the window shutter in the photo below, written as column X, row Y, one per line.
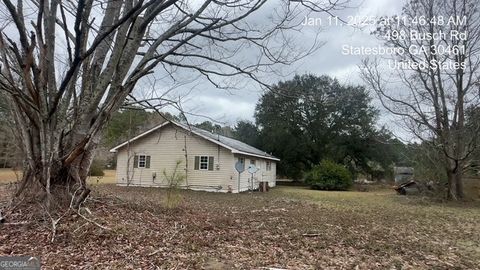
column 210, row 163
column 147, row 162
column 135, row 162
column 197, row 162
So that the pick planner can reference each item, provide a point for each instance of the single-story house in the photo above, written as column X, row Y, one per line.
column 202, row 159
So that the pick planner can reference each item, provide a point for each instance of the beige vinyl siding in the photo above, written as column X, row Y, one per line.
column 261, row 175
column 268, row 176
column 168, row 145
column 244, row 176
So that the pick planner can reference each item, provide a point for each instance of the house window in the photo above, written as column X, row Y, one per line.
column 142, row 161
column 268, row 165
column 253, row 162
column 241, row 160
column 204, row 163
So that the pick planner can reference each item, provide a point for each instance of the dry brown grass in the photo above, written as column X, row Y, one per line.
column 108, row 178
column 9, row 175
column 472, row 187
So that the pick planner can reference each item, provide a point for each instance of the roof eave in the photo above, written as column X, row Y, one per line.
column 205, row 137
column 254, row 155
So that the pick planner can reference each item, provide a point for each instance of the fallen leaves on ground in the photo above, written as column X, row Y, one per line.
column 287, row 228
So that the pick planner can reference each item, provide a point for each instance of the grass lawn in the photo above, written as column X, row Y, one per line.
column 288, row 227
column 9, row 175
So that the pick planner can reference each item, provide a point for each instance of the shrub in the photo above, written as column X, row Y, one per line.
column 174, row 180
column 96, row 169
column 329, row 175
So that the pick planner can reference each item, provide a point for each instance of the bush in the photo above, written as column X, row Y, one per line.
column 329, row 175
column 96, row 169
column 174, row 180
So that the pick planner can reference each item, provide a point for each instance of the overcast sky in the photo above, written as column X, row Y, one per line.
column 229, row 107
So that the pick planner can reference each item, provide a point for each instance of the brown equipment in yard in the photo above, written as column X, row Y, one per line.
column 263, row 187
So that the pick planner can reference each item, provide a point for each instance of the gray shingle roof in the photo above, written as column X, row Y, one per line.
column 227, row 141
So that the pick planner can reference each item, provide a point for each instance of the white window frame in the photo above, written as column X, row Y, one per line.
column 200, row 162
column 268, row 165
column 144, row 161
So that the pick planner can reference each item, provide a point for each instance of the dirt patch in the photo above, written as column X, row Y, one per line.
column 291, row 228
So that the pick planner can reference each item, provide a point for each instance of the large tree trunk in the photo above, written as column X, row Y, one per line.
column 57, row 166
column 455, row 181
column 451, row 185
column 459, row 184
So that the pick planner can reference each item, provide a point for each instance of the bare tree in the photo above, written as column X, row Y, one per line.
column 68, row 65
column 433, row 78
